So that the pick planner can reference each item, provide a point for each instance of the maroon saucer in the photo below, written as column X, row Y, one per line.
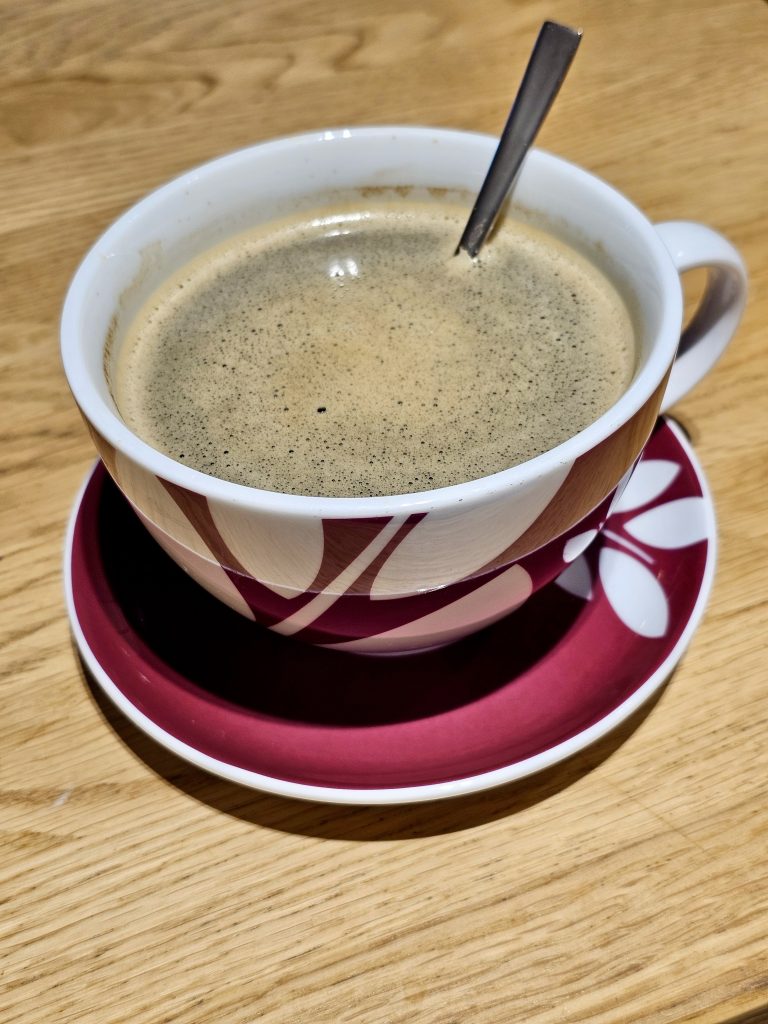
column 269, row 712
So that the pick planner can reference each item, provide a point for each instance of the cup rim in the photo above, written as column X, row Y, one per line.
column 112, row 428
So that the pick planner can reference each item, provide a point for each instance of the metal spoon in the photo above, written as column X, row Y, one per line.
column 548, row 65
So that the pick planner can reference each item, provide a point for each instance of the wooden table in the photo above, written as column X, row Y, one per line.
column 630, row 884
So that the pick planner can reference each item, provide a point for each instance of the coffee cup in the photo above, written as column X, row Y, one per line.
column 404, row 572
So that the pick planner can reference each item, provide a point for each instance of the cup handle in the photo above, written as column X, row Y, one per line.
column 714, row 323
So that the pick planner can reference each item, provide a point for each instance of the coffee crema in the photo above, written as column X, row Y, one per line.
column 350, row 353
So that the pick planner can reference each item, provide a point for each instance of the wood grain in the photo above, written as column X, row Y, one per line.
column 628, row 885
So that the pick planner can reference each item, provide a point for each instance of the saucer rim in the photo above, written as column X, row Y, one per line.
column 513, row 772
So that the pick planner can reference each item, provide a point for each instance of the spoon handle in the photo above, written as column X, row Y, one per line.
column 551, row 57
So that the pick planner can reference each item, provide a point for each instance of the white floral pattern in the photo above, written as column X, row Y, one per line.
column 625, row 568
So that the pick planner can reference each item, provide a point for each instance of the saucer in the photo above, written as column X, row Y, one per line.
column 578, row 658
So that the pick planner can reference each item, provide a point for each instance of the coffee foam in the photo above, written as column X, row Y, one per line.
column 352, row 354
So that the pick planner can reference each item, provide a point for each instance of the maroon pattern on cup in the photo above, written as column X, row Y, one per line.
column 343, row 600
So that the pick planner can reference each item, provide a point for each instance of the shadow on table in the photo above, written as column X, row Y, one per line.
column 357, row 823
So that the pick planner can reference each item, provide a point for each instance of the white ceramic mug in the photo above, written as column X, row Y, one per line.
column 407, row 572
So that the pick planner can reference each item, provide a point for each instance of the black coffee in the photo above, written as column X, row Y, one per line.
column 353, row 354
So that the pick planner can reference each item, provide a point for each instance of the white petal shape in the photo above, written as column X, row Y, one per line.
column 634, row 593
column 650, row 479
column 282, row 553
column 205, row 570
column 578, row 545
column 577, row 579
column 677, row 524
column 146, row 493
column 322, row 601
column 481, row 607
column 448, row 545
column 618, row 494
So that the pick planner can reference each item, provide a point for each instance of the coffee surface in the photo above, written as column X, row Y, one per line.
column 351, row 353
